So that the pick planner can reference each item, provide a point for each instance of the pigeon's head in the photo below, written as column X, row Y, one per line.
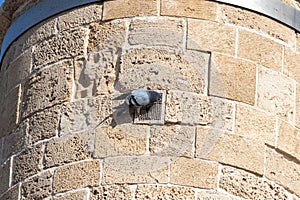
column 155, row 96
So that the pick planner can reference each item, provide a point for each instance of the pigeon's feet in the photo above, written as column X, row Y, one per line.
column 140, row 116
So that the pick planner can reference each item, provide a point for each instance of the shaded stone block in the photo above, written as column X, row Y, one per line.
column 4, row 176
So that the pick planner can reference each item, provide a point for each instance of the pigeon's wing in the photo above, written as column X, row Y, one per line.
column 141, row 96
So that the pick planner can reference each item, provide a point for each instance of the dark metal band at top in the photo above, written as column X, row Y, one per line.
column 274, row 9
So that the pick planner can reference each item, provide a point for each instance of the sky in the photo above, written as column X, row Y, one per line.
column 1, row 1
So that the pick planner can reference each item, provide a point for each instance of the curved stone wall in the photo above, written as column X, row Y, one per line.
column 230, row 125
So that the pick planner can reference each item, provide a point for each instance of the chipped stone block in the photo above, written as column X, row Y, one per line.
column 291, row 61
column 135, row 169
column 27, row 163
column 156, row 32
column 171, row 141
column 65, row 45
column 79, row 17
column 46, row 88
column 12, row 194
column 43, row 125
column 210, row 36
column 260, row 49
column 240, row 88
column 163, row 69
column 164, row 192
column 276, row 93
column 111, row 192
column 190, row 8
column 256, row 124
column 77, row 175
column 37, row 187
column 248, row 186
column 297, row 109
column 69, row 148
column 194, row 172
column 127, row 8
column 4, row 176
column 124, row 139
column 230, row 149
column 288, row 139
column 212, row 195
column 80, row 194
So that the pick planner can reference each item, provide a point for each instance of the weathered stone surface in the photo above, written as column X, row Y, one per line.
column 80, row 194
column 241, row 87
column 79, row 17
column 125, row 139
column 14, row 142
column 48, row 87
column 230, row 149
column 19, row 70
column 297, row 106
column 256, row 124
column 245, row 18
column 65, row 45
column 43, row 125
column 260, row 49
column 163, row 69
column 283, row 171
column 164, row 192
column 289, row 139
column 4, row 176
column 276, row 93
column 12, row 193
column 135, row 169
column 77, row 175
column 86, row 114
column 9, row 111
column 5, row 22
column 194, row 172
column 37, row 187
column 291, row 61
column 249, row 186
column 111, row 192
column 27, row 163
column 212, row 195
column 191, row 108
column 127, row 8
column 172, row 141
column 210, row 36
column 69, row 148
column 156, row 32
column 190, row 8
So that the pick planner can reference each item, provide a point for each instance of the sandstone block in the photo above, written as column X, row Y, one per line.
column 125, row 139
column 212, row 195
column 283, row 171
column 79, row 17
column 210, row 36
column 248, row 186
column 135, row 169
column 37, row 187
column 256, row 124
column 69, row 148
column 65, row 45
column 191, row 108
column 230, row 149
column 172, row 141
column 12, row 193
column 164, row 192
column 248, row 19
column 27, row 163
column 289, row 139
column 163, row 69
column 48, row 87
column 291, row 60
column 297, row 106
column 190, row 8
column 240, row 88
column 156, row 32
column 43, row 125
column 77, row 175
column 276, row 93
column 14, row 142
column 4, row 176
column 127, row 8
column 80, row 194
column 194, row 172
column 111, row 192
column 297, row 42
column 259, row 49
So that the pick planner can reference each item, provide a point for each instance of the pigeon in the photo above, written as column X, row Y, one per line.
column 141, row 98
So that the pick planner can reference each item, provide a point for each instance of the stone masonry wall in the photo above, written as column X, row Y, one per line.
column 231, row 126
